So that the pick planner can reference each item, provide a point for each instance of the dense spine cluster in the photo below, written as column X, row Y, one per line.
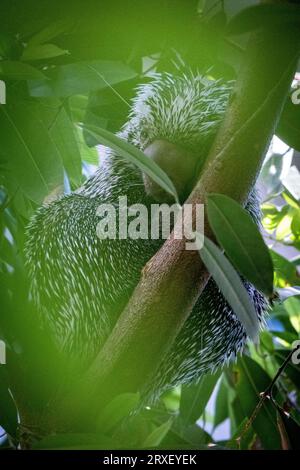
column 80, row 283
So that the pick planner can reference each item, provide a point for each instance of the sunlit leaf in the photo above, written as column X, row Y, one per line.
column 295, row 225
column 272, row 216
column 285, row 338
column 285, row 271
column 291, row 200
column 283, row 229
column 171, row 399
column 292, row 306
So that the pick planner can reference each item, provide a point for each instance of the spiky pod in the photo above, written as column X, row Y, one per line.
column 80, row 284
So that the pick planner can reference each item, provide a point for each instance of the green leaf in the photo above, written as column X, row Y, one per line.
column 65, row 137
column 42, row 51
column 251, row 381
column 171, row 399
column 194, row 398
column 8, row 411
column 231, row 286
column 221, row 405
column 291, row 370
column 287, row 337
column 244, row 443
column 235, row 412
column 242, row 241
column 135, row 156
column 155, row 437
column 88, row 154
column 288, row 128
column 80, row 78
column 75, row 441
column 266, row 341
column 119, row 408
column 292, row 306
column 291, row 201
column 289, row 430
column 283, row 228
column 195, row 435
column 14, row 70
column 272, row 216
column 78, row 106
column 28, row 151
column 6, row 44
column 279, row 313
column 51, row 31
column 285, row 271
column 261, row 16
column 295, row 225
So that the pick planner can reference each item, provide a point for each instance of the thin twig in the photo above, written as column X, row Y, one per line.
column 267, row 394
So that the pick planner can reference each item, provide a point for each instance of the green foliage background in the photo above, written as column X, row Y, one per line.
column 68, row 65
